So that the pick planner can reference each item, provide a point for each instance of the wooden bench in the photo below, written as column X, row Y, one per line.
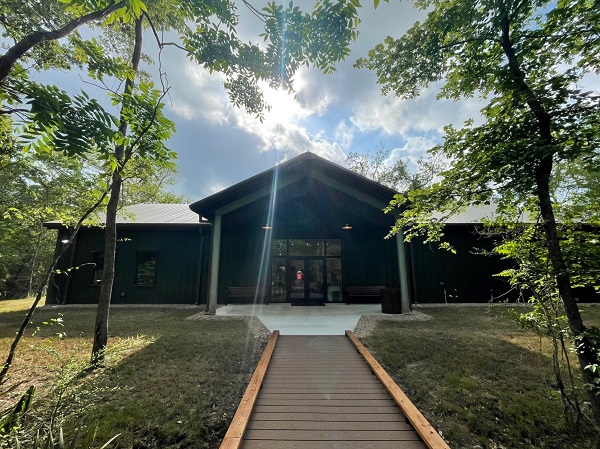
column 364, row 293
column 249, row 294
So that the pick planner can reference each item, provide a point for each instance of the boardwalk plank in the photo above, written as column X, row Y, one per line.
column 341, row 435
column 300, row 389
column 328, row 425
column 340, row 403
column 324, row 417
column 318, row 393
column 318, row 409
column 266, row 444
column 327, row 396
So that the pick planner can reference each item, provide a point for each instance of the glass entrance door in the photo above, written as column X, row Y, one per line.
column 306, row 281
column 306, row 270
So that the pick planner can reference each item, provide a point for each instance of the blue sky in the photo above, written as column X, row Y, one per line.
column 219, row 145
column 332, row 116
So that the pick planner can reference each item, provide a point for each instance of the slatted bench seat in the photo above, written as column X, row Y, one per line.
column 364, row 293
column 247, row 294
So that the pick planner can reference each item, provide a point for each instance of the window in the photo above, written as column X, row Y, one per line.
column 98, row 267
column 279, row 247
column 307, row 247
column 334, row 247
column 145, row 268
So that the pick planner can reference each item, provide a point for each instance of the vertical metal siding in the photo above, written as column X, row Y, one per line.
column 176, row 276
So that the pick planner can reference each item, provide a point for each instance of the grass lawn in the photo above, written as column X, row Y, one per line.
column 479, row 378
column 13, row 305
column 173, row 383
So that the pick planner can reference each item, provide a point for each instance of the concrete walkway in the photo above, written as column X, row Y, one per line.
column 331, row 319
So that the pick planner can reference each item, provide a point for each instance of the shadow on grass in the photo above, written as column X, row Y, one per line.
column 179, row 391
column 479, row 379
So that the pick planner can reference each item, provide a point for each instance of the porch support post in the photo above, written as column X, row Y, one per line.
column 403, row 268
column 214, row 263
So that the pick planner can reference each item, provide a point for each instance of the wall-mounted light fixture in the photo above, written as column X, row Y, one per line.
column 266, row 226
column 346, row 226
column 65, row 241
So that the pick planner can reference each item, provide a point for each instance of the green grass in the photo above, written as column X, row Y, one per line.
column 479, row 378
column 175, row 383
column 13, row 305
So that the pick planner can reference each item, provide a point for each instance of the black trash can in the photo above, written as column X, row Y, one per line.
column 390, row 301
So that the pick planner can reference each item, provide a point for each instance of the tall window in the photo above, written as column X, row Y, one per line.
column 145, row 268
column 98, row 264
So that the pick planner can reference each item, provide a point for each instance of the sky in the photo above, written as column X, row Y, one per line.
column 332, row 115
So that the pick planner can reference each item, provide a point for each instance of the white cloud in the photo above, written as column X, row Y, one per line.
column 344, row 134
column 199, row 94
column 425, row 114
column 294, row 140
column 216, row 188
column 412, row 151
column 280, row 130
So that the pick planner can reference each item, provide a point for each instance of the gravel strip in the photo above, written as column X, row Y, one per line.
column 366, row 324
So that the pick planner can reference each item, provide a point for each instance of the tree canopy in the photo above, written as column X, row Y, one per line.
column 529, row 59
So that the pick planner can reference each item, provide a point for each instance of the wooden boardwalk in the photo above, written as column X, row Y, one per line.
column 318, row 392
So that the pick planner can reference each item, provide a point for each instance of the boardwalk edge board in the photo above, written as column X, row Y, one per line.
column 235, row 433
column 430, row 436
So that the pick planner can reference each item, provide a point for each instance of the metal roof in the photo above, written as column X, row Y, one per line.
column 151, row 215
column 472, row 214
column 147, row 213
column 478, row 214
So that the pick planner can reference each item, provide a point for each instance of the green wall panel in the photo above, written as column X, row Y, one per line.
column 177, row 268
column 466, row 276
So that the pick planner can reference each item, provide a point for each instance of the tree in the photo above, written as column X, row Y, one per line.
column 293, row 38
column 529, row 58
column 36, row 26
column 36, row 188
column 148, row 135
column 396, row 175
column 39, row 187
column 145, row 182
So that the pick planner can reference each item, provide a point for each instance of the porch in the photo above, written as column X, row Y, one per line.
column 332, row 319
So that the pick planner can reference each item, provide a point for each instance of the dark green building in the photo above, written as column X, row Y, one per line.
column 304, row 231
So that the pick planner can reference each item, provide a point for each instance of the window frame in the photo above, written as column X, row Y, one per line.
column 137, row 255
column 96, row 281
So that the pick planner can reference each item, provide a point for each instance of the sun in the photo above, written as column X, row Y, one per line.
column 284, row 108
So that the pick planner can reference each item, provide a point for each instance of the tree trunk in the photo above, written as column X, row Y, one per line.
column 110, row 233
column 36, row 255
column 585, row 350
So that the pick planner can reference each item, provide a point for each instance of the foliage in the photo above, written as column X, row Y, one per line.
column 491, row 385
column 145, row 182
column 52, row 441
column 36, row 188
column 523, row 243
column 380, row 167
column 9, row 419
column 134, row 394
column 529, row 58
column 292, row 38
